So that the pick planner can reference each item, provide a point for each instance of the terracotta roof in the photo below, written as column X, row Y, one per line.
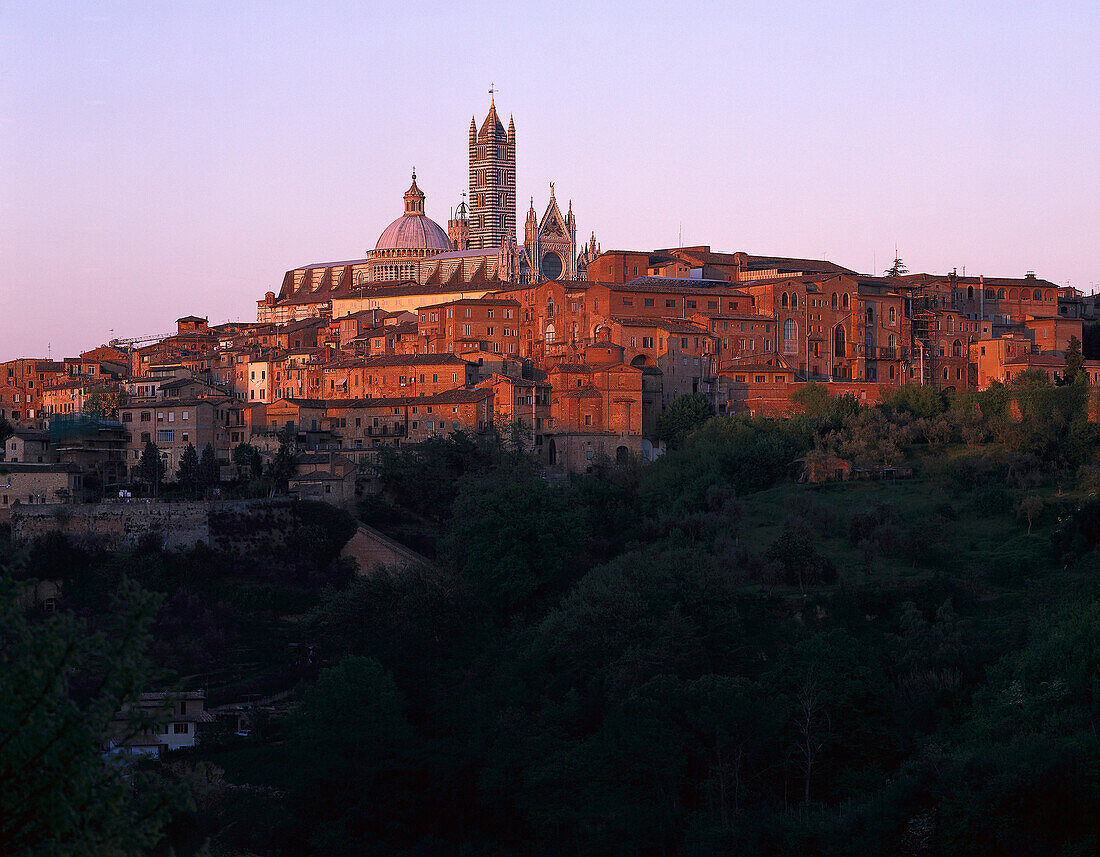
column 450, row 397
column 786, row 263
column 678, row 284
column 414, row 360
column 303, row 324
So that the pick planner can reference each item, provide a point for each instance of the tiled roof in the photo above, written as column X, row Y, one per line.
column 786, row 263
column 677, row 284
column 414, row 360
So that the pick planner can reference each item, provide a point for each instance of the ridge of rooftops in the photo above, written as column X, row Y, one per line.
column 450, row 397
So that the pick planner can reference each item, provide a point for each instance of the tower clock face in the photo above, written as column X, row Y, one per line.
column 551, row 266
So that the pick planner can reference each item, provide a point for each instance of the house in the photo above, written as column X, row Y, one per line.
column 27, row 445
column 37, row 484
column 158, row 723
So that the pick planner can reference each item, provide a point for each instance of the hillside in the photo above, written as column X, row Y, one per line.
column 700, row 655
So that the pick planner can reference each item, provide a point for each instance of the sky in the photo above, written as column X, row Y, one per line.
column 162, row 159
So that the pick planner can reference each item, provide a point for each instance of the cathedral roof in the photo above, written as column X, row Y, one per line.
column 491, row 129
column 413, row 230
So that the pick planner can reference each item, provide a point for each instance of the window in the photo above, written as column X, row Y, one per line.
column 146, row 416
column 628, row 301
column 649, row 301
column 670, row 303
column 166, row 435
column 689, row 304
column 550, row 332
column 180, row 728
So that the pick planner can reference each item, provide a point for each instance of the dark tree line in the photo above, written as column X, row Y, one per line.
column 696, row 656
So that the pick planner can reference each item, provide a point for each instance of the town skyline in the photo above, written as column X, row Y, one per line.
column 161, row 164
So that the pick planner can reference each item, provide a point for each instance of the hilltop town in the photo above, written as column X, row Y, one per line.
column 435, row 331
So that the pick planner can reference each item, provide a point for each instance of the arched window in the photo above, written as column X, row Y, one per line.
column 550, row 333
column 945, row 373
column 790, row 330
column 956, row 349
column 786, row 301
column 890, row 341
column 1036, row 295
column 950, row 324
column 794, row 301
column 893, row 315
column 834, row 300
column 838, row 341
column 891, row 371
column 846, row 301
column 970, row 293
column 1000, row 294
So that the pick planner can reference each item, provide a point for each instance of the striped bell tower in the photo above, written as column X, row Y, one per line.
column 492, row 181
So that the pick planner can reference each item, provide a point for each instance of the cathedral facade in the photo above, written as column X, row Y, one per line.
column 549, row 249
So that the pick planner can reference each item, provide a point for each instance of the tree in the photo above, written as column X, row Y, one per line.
column 920, row 400
column 60, row 689
column 1074, row 360
column 1030, row 506
column 683, row 414
column 102, row 404
column 897, row 269
column 282, row 465
column 149, row 469
column 816, row 402
column 6, row 429
column 513, row 537
column 208, row 466
column 246, row 456
column 189, row 473
column 354, row 751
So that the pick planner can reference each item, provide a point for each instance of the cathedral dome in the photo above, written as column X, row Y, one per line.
column 413, row 230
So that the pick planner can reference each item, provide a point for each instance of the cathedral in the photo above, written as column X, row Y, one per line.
column 478, row 248
column 549, row 250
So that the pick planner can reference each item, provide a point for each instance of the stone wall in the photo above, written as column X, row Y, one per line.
column 232, row 526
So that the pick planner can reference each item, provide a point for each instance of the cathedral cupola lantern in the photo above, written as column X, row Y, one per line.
column 414, row 198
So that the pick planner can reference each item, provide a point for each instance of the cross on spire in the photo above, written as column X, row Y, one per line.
column 492, row 93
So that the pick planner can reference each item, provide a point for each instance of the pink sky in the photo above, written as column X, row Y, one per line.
column 159, row 160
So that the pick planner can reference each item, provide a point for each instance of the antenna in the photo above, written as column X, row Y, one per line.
column 681, row 239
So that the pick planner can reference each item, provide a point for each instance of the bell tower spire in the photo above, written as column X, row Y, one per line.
column 492, row 181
